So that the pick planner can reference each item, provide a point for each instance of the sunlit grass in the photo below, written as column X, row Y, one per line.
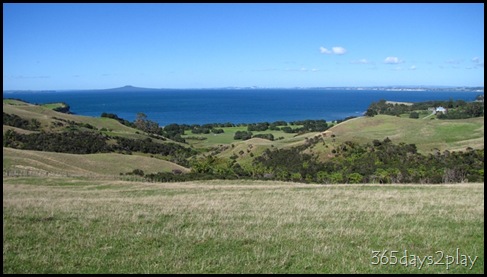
column 60, row 225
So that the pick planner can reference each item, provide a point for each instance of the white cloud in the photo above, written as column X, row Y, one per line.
column 393, row 60
column 412, row 67
column 337, row 50
column 323, row 50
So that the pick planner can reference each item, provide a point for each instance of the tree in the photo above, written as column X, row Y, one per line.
column 243, row 135
column 148, row 126
column 414, row 115
column 140, row 121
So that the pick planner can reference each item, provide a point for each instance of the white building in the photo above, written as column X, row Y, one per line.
column 440, row 110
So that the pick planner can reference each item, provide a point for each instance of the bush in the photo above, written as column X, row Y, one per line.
column 414, row 115
column 242, row 135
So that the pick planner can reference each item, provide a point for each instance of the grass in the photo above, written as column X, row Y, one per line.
column 52, row 106
column 61, row 225
column 91, row 164
column 427, row 134
column 211, row 139
column 46, row 116
column 452, row 135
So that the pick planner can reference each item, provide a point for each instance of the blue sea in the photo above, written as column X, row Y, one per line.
column 200, row 106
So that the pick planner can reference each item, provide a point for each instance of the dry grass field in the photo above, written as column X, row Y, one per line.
column 68, row 225
column 100, row 164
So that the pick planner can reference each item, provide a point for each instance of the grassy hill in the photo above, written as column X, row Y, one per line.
column 452, row 135
column 428, row 134
column 37, row 162
column 109, row 164
column 53, row 121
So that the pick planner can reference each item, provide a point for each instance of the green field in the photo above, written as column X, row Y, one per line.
column 427, row 134
column 211, row 139
column 69, row 225
column 452, row 135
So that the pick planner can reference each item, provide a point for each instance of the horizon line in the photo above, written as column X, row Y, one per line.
column 255, row 87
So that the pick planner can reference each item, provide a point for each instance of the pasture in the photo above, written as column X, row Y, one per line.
column 76, row 225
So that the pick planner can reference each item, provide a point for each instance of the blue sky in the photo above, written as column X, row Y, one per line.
column 90, row 46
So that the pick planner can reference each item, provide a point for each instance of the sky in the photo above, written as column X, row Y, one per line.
column 97, row 46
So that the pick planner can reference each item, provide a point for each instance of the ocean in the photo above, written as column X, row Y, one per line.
column 200, row 106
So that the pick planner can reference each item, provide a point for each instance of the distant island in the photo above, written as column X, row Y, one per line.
column 131, row 88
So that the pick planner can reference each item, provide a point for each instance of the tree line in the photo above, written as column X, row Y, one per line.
column 86, row 142
column 458, row 109
column 16, row 121
column 174, row 131
column 376, row 162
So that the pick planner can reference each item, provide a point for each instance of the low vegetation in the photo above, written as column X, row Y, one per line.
column 59, row 225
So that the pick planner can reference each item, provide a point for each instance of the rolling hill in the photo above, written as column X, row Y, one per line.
column 104, row 164
column 428, row 135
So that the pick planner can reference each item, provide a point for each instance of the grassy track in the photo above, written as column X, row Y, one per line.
column 61, row 225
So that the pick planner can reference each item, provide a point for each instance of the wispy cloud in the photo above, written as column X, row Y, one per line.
column 324, row 50
column 303, row 69
column 361, row 61
column 478, row 62
column 412, row 67
column 337, row 50
column 453, row 61
column 31, row 77
column 264, row 69
column 393, row 60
